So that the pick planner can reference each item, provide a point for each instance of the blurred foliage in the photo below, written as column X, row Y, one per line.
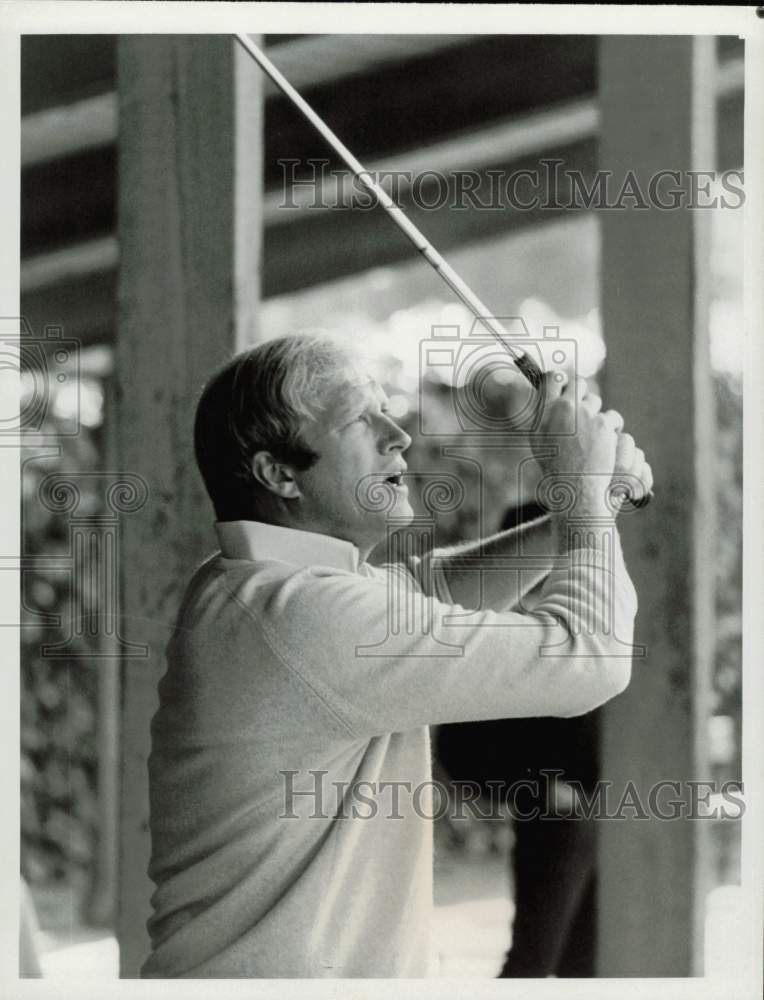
column 59, row 814
column 729, row 551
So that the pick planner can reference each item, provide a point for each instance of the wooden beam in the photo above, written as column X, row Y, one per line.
column 375, row 106
column 658, row 113
column 69, row 264
column 730, row 76
column 319, row 60
column 190, row 236
column 68, row 181
column 74, row 286
column 505, row 142
column 495, row 77
column 71, row 126
column 330, row 244
column 63, row 69
column 60, row 69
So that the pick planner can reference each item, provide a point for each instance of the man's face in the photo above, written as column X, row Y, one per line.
column 361, row 458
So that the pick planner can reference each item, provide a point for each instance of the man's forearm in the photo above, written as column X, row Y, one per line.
column 497, row 572
column 494, row 573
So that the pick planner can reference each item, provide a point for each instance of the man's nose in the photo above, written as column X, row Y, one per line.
column 395, row 436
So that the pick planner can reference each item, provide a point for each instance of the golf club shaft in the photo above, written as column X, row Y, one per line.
column 523, row 361
column 460, row 288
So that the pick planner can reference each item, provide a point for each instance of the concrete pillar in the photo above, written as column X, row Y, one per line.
column 189, row 203
column 658, row 113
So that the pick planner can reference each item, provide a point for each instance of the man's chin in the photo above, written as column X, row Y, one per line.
column 398, row 516
column 402, row 511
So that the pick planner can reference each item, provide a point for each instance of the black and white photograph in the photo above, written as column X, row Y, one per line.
column 381, row 427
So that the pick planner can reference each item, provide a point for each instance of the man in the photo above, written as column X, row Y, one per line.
column 277, row 720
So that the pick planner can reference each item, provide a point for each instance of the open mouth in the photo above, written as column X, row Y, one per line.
column 395, row 480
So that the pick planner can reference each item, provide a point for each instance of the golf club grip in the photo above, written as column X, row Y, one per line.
column 535, row 376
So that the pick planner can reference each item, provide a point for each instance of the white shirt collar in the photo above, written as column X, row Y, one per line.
column 256, row 540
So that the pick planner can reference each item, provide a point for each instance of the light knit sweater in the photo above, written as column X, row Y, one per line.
column 283, row 660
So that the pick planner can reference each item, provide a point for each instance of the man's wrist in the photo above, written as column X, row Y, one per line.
column 580, row 496
column 582, row 530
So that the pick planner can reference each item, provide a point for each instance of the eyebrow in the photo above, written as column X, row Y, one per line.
column 360, row 394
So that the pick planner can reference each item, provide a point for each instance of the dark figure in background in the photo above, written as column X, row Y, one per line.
column 553, row 860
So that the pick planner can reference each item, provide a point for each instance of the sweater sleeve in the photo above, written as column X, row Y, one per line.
column 389, row 656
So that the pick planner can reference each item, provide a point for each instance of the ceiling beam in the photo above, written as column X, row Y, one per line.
column 75, row 288
column 507, row 142
column 69, row 263
column 314, row 61
column 320, row 60
column 570, row 121
column 69, row 129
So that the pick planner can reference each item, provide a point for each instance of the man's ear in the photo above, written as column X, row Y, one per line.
column 276, row 477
